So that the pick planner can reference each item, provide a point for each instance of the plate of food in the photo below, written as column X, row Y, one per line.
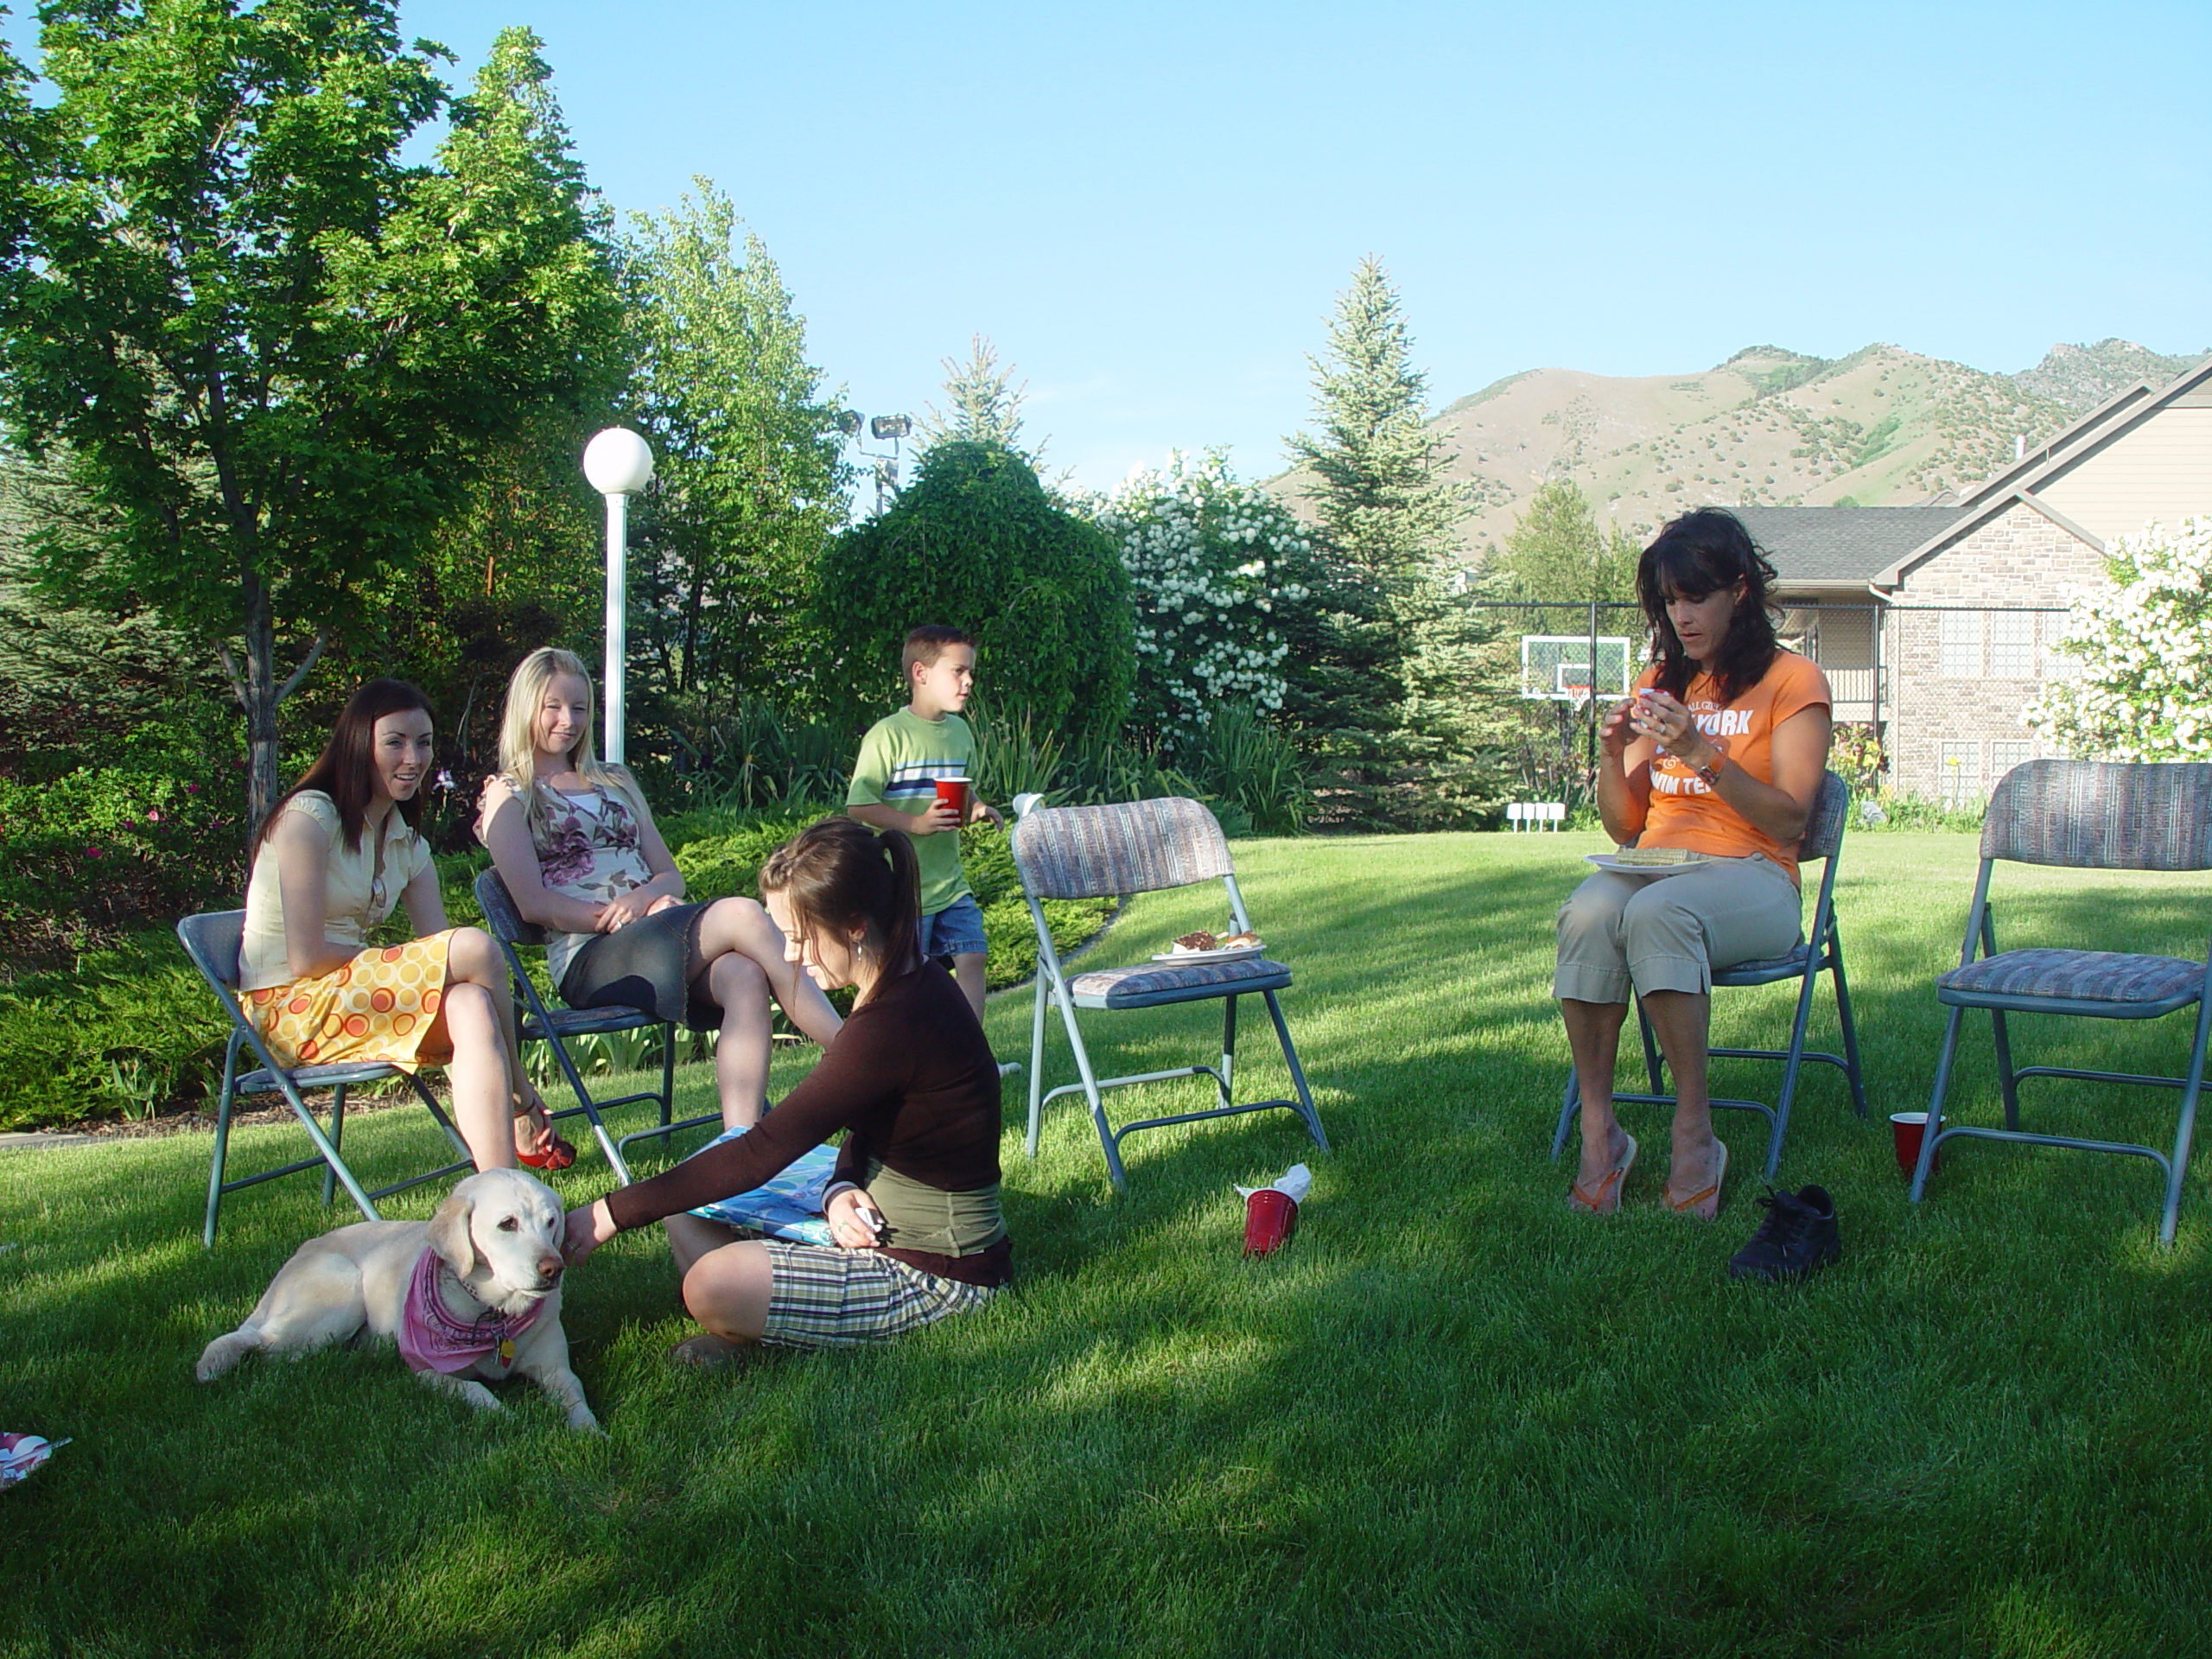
column 1647, row 861
column 1203, row 946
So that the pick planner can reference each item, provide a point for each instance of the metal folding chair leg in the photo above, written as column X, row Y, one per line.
column 1851, row 1068
column 1932, row 1131
column 1306, row 1106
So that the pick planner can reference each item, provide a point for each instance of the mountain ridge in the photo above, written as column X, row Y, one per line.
column 1768, row 427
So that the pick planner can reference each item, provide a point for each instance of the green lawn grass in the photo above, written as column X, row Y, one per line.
column 1450, row 1417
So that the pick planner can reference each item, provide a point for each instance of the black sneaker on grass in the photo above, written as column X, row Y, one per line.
column 1797, row 1237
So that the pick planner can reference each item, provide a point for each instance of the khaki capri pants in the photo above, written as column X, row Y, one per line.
column 1670, row 933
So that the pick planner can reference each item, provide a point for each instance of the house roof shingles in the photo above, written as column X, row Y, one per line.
column 1842, row 545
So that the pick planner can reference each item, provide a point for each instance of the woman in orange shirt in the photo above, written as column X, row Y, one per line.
column 1720, row 752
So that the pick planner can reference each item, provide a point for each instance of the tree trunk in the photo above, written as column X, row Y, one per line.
column 258, row 694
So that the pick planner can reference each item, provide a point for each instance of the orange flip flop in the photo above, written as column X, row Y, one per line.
column 1605, row 1196
column 1690, row 1206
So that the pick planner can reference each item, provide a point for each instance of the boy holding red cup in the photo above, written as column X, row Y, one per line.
column 913, row 779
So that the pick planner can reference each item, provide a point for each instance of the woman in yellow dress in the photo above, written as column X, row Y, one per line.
column 335, row 857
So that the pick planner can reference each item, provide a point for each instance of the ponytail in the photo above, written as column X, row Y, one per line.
column 839, row 874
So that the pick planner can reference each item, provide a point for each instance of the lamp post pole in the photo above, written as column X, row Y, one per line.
column 617, row 463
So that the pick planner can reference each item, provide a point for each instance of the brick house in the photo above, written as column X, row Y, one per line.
column 1935, row 623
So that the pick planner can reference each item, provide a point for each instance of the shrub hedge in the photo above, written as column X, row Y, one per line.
column 129, row 1029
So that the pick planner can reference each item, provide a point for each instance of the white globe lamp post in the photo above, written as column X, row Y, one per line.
column 617, row 463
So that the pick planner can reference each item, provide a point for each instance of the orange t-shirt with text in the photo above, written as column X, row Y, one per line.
column 1684, row 812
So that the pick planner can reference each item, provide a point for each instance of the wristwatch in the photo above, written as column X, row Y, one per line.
column 1711, row 771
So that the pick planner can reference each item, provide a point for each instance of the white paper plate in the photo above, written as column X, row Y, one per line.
column 1235, row 953
column 1607, row 861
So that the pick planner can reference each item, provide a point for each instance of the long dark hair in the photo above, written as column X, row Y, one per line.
column 1695, row 554
column 840, row 874
column 346, row 770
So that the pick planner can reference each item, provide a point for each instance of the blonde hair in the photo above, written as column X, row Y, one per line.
column 518, row 739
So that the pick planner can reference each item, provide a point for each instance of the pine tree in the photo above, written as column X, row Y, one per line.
column 1386, row 513
column 984, row 405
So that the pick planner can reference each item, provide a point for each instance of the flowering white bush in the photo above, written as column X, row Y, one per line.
column 1210, row 564
column 2145, row 689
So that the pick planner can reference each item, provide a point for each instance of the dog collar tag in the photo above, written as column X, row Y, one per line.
column 506, row 1351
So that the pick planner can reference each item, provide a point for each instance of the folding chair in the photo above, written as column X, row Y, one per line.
column 1093, row 852
column 1822, row 951
column 535, row 1023
column 211, row 942
column 2080, row 815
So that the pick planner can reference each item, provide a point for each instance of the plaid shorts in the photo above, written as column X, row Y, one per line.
column 829, row 1298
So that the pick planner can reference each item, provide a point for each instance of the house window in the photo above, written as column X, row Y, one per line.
column 1959, row 767
column 2057, row 665
column 1959, row 642
column 2007, row 754
column 2012, row 644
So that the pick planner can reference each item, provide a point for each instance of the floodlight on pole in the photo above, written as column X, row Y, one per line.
column 617, row 463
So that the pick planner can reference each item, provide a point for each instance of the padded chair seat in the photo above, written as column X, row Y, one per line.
column 1156, row 982
column 2079, row 977
column 1766, row 969
column 319, row 1076
column 582, row 1022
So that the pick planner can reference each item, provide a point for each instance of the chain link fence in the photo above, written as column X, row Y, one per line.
column 1929, row 698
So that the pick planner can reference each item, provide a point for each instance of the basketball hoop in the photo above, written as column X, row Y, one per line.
column 1558, row 668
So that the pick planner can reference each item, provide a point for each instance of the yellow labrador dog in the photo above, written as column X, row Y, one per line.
column 471, row 1295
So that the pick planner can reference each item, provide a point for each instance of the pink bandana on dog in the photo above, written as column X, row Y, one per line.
column 431, row 1340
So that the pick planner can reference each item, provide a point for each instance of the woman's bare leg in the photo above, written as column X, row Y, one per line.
column 727, row 1290
column 740, row 958
column 1593, row 1036
column 691, row 1236
column 1683, row 1021
column 475, row 968
column 741, row 1051
column 478, row 1074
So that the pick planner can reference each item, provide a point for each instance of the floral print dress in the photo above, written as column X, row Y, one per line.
column 588, row 848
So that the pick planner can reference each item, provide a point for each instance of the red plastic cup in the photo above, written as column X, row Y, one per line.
column 1270, row 1217
column 953, row 792
column 1907, row 1129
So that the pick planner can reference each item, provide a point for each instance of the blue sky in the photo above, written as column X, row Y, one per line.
column 1149, row 208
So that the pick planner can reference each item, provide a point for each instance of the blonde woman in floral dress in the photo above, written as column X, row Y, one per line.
column 575, row 844
column 335, row 857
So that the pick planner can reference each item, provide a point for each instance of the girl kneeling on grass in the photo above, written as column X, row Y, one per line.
column 914, row 1204
column 335, row 856
column 573, row 840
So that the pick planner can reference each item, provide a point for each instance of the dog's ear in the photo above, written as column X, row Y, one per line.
column 449, row 1232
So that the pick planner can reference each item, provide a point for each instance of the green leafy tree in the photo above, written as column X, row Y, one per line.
column 977, row 542
column 983, row 404
column 1556, row 555
column 749, row 482
column 1376, row 483
column 274, row 351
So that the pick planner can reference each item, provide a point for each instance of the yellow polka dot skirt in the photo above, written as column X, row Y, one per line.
column 381, row 1006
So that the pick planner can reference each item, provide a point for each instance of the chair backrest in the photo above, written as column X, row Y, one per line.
column 500, row 915
column 212, row 942
column 2102, row 814
column 1824, row 827
column 1513, row 813
column 1096, row 852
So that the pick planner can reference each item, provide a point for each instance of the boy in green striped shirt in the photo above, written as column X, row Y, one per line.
column 894, row 790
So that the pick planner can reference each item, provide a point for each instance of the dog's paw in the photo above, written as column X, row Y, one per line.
column 583, row 1422
column 219, row 1355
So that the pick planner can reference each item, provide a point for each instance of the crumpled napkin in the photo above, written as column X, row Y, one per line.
column 22, row 1454
column 1295, row 1183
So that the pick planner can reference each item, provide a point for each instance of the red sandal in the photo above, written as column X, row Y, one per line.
column 559, row 1155
column 1605, row 1196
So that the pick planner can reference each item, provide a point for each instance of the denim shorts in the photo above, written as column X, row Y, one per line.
column 956, row 931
